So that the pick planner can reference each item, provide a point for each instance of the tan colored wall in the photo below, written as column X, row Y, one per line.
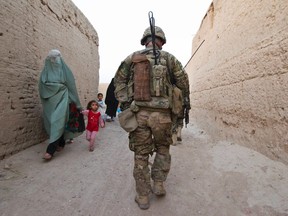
column 239, row 79
column 28, row 30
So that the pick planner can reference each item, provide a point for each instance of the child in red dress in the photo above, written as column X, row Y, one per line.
column 94, row 120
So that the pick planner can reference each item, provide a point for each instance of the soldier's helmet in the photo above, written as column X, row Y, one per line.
column 158, row 33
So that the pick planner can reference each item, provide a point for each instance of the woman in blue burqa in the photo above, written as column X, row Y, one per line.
column 57, row 89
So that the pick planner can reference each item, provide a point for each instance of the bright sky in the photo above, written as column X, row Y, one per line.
column 121, row 24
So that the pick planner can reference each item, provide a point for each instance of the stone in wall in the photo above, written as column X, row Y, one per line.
column 238, row 74
column 29, row 29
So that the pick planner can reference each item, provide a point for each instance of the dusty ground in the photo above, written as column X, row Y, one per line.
column 219, row 179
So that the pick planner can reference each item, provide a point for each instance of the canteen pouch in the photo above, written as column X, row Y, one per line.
column 127, row 120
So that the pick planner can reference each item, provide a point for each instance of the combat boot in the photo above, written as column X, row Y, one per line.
column 158, row 188
column 179, row 138
column 174, row 139
column 142, row 201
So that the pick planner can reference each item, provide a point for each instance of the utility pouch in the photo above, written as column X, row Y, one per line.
column 141, row 78
column 159, row 73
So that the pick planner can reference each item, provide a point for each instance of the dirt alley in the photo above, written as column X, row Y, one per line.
column 206, row 178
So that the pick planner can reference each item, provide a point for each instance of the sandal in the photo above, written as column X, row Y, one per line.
column 70, row 141
column 47, row 156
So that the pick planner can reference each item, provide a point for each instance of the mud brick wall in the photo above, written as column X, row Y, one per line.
column 28, row 30
column 239, row 74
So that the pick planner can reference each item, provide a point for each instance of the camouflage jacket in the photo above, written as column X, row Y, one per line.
column 123, row 80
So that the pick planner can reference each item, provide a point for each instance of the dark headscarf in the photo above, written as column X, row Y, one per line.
column 110, row 100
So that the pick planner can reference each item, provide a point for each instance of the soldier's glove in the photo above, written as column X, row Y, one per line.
column 124, row 106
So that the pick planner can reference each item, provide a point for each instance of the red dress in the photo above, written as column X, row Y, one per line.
column 93, row 121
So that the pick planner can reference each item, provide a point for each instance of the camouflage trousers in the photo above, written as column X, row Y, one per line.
column 153, row 134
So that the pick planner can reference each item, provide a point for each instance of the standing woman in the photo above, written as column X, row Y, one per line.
column 57, row 89
column 111, row 102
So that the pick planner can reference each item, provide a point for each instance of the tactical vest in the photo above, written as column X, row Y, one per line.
column 151, row 84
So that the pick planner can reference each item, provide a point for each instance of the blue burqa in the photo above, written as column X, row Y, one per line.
column 57, row 89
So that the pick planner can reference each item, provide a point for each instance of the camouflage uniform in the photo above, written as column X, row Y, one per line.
column 154, row 131
column 178, row 123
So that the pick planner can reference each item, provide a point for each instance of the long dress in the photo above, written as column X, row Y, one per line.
column 57, row 89
column 111, row 101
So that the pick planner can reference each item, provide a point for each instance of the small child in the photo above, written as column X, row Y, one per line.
column 102, row 105
column 94, row 120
